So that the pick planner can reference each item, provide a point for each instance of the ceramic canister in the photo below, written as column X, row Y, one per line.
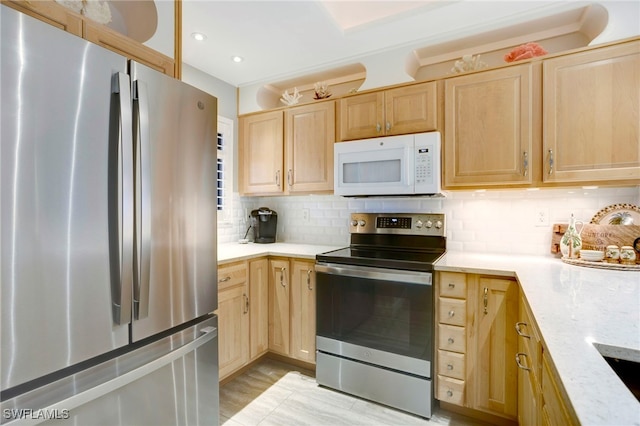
column 627, row 255
column 612, row 254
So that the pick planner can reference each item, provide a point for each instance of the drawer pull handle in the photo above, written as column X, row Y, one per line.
column 452, row 285
column 450, row 340
column 519, row 331
column 451, row 313
column 524, row 367
column 449, row 366
column 246, row 303
column 449, row 393
column 224, row 280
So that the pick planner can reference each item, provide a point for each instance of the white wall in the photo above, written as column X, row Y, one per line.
column 491, row 221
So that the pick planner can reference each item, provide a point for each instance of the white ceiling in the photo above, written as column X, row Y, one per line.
column 282, row 39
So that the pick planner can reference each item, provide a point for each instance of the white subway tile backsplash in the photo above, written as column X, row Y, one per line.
column 491, row 221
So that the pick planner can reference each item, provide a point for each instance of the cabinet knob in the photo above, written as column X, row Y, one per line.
column 449, row 393
column 378, row 127
column 451, row 313
column 450, row 340
column 449, row 366
column 388, row 126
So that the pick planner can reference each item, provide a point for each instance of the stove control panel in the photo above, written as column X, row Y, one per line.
column 398, row 223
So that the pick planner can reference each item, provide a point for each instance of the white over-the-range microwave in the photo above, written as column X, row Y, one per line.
column 388, row 166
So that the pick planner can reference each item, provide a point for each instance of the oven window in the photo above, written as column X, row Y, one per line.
column 384, row 315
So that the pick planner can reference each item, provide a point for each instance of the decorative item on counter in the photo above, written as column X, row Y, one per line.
column 591, row 255
column 468, row 63
column 321, row 90
column 290, row 99
column 618, row 214
column 97, row 10
column 627, row 255
column 571, row 242
column 525, row 51
column 612, row 254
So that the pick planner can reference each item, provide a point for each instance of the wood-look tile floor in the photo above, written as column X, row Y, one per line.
column 275, row 393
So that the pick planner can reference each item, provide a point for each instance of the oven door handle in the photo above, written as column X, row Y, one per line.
column 396, row 275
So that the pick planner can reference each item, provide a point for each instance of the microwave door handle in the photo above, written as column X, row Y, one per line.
column 143, row 197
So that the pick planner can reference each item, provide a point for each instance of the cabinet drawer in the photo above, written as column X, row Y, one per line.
column 453, row 284
column 452, row 311
column 231, row 275
column 452, row 338
column 451, row 364
column 450, row 390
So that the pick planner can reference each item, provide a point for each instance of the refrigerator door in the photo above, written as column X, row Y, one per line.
column 58, row 103
column 171, row 381
column 175, row 138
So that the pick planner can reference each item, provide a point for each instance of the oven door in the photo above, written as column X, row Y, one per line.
column 386, row 311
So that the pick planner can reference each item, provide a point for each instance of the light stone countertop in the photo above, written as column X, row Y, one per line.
column 230, row 252
column 573, row 306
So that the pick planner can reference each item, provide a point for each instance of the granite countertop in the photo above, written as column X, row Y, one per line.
column 574, row 307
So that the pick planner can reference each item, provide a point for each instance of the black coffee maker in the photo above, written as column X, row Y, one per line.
column 264, row 222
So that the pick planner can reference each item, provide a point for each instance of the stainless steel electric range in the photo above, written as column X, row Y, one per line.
column 374, row 310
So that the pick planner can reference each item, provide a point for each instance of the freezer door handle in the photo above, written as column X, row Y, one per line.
column 143, row 199
column 122, row 281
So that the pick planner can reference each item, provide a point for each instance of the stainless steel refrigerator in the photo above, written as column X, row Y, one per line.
column 108, row 236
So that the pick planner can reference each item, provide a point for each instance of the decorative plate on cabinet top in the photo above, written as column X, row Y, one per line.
column 617, row 214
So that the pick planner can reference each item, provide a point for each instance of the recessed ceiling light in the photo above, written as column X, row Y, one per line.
column 237, row 58
column 198, row 36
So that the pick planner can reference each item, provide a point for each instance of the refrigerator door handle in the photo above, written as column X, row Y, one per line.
column 143, row 199
column 123, row 274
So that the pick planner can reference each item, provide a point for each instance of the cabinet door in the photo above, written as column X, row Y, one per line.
column 591, row 115
column 258, row 307
column 233, row 325
column 50, row 12
column 279, row 293
column 492, row 348
column 261, row 153
column 411, row 109
column 489, row 134
column 360, row 116
column 303, row 311
column 310, row 134
column 125, row 46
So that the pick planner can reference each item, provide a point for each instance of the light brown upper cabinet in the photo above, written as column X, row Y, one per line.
column 490, row 135
column 592, row 116
column 261, row 153
column 59, row 16
column 407, row 109
column 288, row 152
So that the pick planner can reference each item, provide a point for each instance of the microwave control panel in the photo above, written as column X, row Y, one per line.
column 427, row 163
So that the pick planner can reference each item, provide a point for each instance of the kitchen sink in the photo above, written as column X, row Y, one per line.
column 625, row 363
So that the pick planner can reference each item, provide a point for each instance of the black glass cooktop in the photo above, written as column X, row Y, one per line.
column 412, row 260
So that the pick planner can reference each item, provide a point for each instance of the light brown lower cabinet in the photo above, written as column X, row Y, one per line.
column 243, row 291
column 233, row 317
column 292, row 308
column 476, row 343
column 541, row 398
